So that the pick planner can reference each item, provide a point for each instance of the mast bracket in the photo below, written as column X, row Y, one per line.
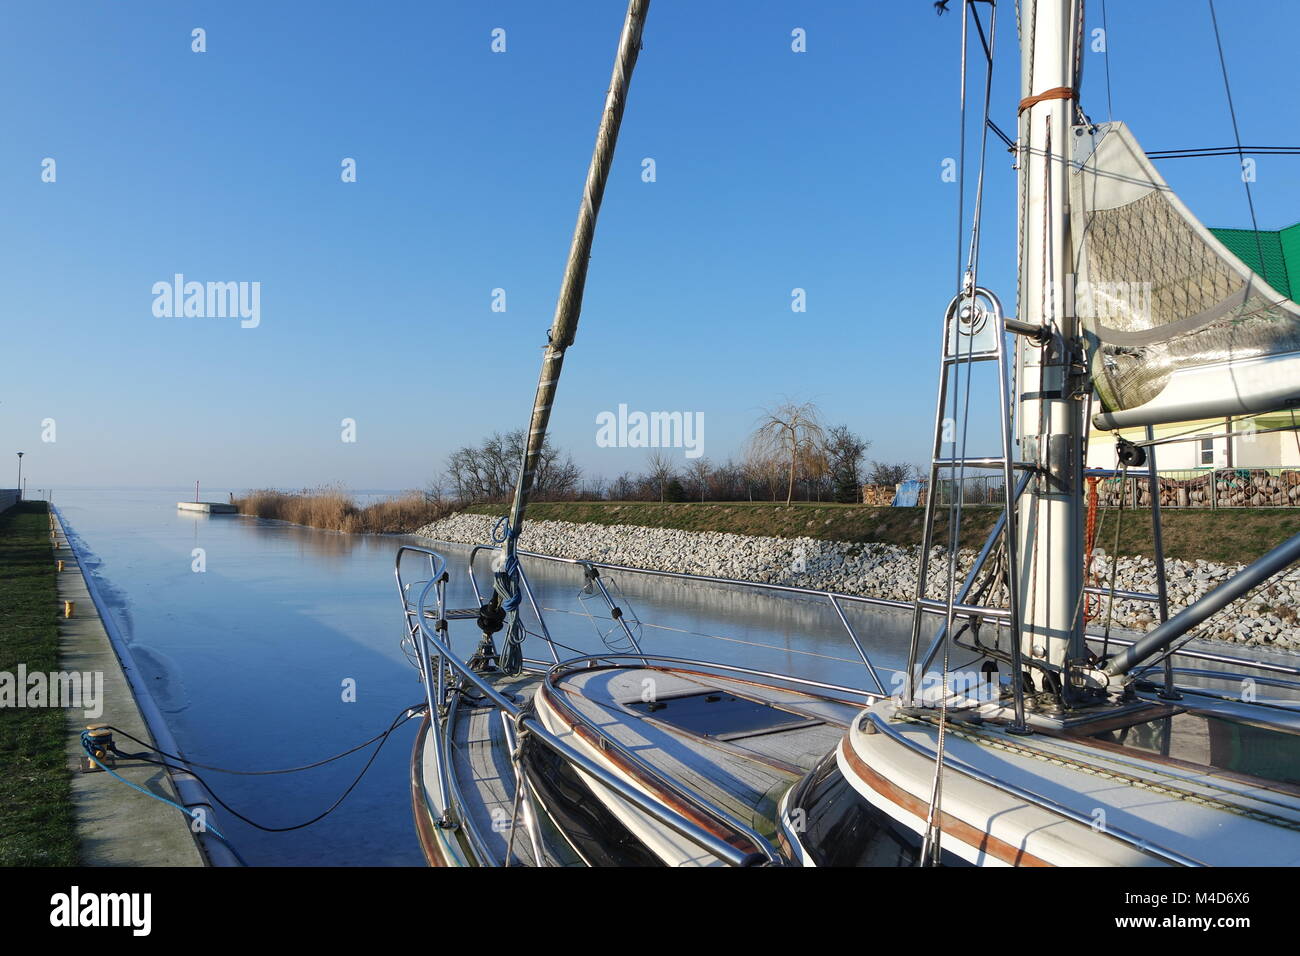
column 1040, row 335
column 1052, row 459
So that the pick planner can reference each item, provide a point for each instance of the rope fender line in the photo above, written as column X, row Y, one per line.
column 1056, row 93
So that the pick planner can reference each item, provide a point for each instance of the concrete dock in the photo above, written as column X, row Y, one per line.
column 117, row 826
column 208, row 507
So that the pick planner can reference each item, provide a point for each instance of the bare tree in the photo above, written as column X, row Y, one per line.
column 814, row 468
column 594, row 488
column 660, row 471
column 699, row 471
column 884, row 473
column 754, row 468
column 623, row 487
column 487, row 471
column 792, row 432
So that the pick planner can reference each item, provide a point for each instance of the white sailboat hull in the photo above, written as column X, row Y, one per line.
column 1052, row 799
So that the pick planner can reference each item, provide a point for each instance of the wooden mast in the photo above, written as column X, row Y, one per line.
column 568, row 306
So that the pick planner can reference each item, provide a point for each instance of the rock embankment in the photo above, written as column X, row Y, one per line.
column 1269, row 617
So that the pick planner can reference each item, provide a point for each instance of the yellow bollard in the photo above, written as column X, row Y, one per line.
column 60, row 567
column 69, row 607
column 101, row 740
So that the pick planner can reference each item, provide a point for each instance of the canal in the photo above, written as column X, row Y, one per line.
column 269, row 645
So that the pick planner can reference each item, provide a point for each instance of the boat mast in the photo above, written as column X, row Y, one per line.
column 1050, row 514
column 564, row 326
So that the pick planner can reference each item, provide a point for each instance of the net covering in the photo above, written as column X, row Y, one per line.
column 1155, row 290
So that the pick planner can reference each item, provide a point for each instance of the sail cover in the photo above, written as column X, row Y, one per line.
column 1178, row 327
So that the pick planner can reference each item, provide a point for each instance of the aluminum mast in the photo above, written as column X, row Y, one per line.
column 1050, row 518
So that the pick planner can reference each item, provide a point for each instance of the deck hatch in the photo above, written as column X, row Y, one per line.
column 720, row 715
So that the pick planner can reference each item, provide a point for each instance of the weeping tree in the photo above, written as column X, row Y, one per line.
column 792, row 432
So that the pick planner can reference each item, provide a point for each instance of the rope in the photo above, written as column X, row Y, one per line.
column 508, row 595
column 243, row 773
column 382, row 738
column 192, row 814
column 1092, row 603
column 1057, row 93
column 1202, row 152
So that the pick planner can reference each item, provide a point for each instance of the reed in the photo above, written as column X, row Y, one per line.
column 332, row 509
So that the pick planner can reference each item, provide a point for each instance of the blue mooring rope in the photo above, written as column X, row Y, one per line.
column 193, row 815
column 499, row 536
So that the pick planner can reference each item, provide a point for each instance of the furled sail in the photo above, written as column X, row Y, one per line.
column 1178, row 327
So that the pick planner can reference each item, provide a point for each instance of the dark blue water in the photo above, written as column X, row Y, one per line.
column 249, row 659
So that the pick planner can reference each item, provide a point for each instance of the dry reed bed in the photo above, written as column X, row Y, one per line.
column 334, row 510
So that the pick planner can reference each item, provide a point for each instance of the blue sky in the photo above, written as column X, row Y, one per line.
column 775, row 170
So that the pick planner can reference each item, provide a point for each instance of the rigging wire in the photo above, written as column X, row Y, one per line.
column 1006, row 140
column 1196, row 433
column 1236, row 136
column 967, row 282
column 1202, row 151
column 1105, row 33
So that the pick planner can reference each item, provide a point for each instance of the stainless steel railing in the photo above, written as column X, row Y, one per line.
column 935, row 608
column 832, row 597
column 436, row 658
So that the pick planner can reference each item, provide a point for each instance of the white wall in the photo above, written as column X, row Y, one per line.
column 1249, row 451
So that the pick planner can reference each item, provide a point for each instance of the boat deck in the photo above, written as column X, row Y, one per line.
column 736, row 745
column 725, row 743
column 485, row 777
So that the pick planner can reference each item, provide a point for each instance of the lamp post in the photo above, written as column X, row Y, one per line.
column 20, row 476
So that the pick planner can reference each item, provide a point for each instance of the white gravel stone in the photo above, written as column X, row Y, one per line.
column 1268, row 616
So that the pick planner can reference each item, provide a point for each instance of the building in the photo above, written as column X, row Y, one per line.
column 1210, row 444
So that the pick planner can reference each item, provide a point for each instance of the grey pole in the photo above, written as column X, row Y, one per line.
column 1249, row 577
column 1157, row 538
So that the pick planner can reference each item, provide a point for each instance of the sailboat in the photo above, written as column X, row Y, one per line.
column 1070, row 749
column 1090, row 755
